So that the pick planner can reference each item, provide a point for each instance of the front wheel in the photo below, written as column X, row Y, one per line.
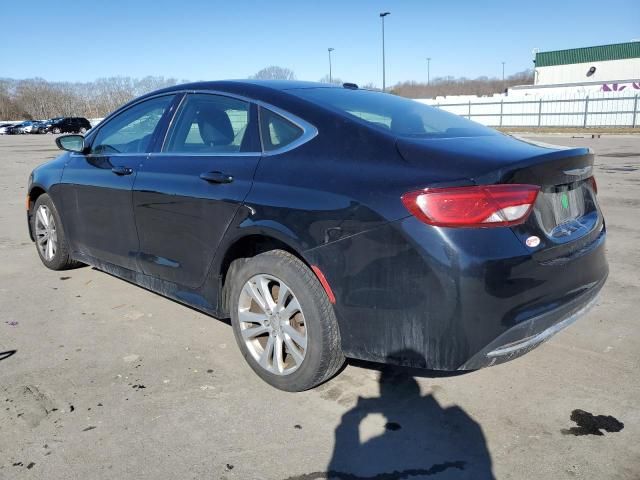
column 56, row 130
column 51, row 241
column 283, row 321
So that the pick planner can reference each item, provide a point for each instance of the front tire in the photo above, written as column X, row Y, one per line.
column 51, row 242
column 283, row 321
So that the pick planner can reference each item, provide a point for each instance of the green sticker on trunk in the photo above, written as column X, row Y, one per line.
column 564, row 199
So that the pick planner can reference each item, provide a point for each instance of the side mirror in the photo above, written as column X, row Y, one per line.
column 71, row 143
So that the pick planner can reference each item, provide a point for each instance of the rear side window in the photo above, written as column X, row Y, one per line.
column 131, row 131
column 276, row 131
column 209, row 124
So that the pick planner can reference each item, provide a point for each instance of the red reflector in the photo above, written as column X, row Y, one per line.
column 594, row 185
column 476, row 206
column 324, row 283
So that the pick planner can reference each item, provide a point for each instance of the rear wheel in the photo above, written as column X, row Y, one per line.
column 283, row 321
column 51, row 241
column 56, row 130
column 83, row 130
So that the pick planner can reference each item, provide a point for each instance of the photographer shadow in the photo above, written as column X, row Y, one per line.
column 420, row 437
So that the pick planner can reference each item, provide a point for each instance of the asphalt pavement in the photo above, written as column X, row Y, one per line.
column 102, row 379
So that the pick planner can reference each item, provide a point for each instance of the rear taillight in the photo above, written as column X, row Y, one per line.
column 594, row 185
column 477, row 206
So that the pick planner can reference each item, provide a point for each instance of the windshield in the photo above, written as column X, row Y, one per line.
column 401, row 116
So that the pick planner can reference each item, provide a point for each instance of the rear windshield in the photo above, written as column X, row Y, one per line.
column 398, row 115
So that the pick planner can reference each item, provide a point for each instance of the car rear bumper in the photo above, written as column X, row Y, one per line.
column 450, row 299
column 531, row 333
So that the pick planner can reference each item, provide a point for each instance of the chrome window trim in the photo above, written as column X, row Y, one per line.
column 123, row 154
column 200, row 154
column 309, row 131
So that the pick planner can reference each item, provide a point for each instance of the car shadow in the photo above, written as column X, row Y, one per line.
column 7, row 354
column 402, row 434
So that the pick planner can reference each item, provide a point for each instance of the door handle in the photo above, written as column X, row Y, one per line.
column 216, row 177
column 121, row 170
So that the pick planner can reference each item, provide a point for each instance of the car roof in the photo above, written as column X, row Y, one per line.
column 267, row 84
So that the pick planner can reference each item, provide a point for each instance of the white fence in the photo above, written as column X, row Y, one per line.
column 597, row 110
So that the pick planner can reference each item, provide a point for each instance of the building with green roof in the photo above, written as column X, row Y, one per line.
column 619, row 62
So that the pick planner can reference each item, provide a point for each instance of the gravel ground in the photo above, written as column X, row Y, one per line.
column 111, row 381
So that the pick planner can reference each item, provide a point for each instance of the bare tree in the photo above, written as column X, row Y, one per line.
column 334, row 80
column 274, row 73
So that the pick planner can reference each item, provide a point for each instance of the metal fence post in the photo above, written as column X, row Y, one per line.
column 540, row 113
column 635, row 111
column 586, row 112
column 501, row 105
column 469, row 114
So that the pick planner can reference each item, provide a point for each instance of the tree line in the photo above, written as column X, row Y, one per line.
column 40, row 99
column 37, row 98
column 442, row 86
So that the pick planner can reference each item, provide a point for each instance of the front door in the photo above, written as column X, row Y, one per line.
column 96, row 187
column 186, row 195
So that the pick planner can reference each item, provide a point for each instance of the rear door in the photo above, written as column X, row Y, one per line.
column 187, row 193
column 96, row 186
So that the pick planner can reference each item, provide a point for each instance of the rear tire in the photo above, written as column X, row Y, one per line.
column 294, row 342
column 51, row 242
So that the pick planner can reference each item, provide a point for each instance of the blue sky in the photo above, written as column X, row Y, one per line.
column 200, row 39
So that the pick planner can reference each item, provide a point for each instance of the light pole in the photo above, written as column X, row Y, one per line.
column 428, row 70
column 503, row 76
column 384, row 79
column 330, row 50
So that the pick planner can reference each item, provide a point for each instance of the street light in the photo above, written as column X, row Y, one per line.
column 330, row 50
column 384, row 80
column 428, row 70
column 503, row 85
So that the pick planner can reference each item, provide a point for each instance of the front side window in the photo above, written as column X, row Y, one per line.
column 209, row 124
column 131, row 130
column 276, row 131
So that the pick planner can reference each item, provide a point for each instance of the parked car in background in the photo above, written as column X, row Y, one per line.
column 70, row 125
column 44, row 126
column 4, row 127
column 21, row 128
column 330, row 222
column 39, row 127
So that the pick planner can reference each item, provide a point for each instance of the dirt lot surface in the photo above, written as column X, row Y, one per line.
column 111, row 381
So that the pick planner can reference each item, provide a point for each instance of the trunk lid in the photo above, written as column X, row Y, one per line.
column 566, row 209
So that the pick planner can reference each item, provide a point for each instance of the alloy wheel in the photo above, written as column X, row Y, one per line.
column 272, row 324
column 46, row 233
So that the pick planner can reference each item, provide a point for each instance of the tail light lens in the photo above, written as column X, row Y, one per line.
column 594, row 185
column 477, row 206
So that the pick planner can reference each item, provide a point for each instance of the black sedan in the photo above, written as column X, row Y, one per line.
column 330, row 222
